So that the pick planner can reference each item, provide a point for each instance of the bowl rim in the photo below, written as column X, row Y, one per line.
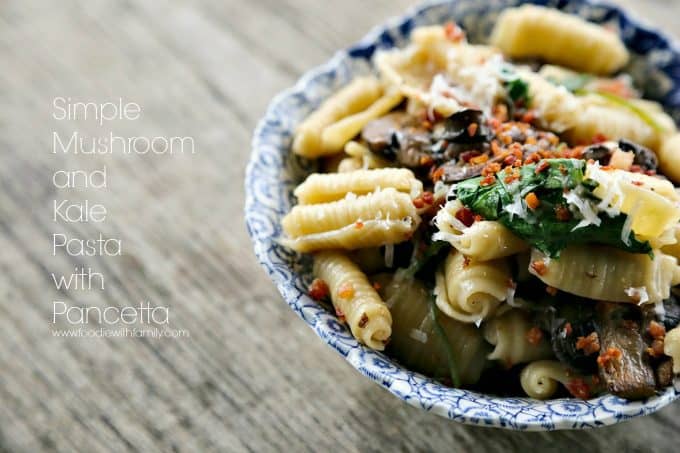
column 356, row 355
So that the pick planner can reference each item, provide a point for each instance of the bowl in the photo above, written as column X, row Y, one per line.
column 273, row 172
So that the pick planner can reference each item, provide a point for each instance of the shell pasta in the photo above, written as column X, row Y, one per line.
column 541, row 379
column 415, row 341
column 510, row 336
column 470, row 291
column 481, row 241
column 500, row 215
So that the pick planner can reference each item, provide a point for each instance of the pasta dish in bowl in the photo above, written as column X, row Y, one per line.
column 483, row 215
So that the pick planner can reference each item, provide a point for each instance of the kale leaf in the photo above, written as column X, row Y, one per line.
column 541, row 227
column 518, row 90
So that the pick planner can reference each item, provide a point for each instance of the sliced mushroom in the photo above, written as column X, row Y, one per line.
column 664, row 373
column 564, row 340
column 379, row 133
column 458, row 128
column 623, row 364
column 671, row 308
column 599, row 153
column 460, row 171
column 644, row 157
column 399, row 136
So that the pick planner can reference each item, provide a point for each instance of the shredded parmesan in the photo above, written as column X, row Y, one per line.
column 418, row 335
column 442, row 97
column 659, row 310
column 585, row 208
column 637, row 293
column 482, row 83
column 517, row 207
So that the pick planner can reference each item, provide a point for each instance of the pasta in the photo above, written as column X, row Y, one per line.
column 540, row 379
column 321, row 188
column 558, row 109
column 470, row 291
column 354, row 98
column 415, row 341
column 604, row 273
column 532, row 31
column 335, row 136
column 595, row 119
column 673, row 248
column 350, row 164
column 355, row 299
column 652, row 204
column 509, row 334
column 481, row 212
column 482, row 241
column 672, row 348
column 373, row 233
column 386, row 204
column 669, row 156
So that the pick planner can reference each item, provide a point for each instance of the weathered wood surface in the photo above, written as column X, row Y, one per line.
column 251, row 376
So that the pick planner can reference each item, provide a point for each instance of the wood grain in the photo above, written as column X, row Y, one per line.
column 251, row 377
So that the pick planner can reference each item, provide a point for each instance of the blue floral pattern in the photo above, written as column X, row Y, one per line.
column 273, row 172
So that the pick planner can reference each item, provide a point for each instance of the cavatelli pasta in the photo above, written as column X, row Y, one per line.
column 673, row 249
column 355, row 298
column 353, row 98
column 669, row 157
column 350, row 164
column 386, row 204
column 605, row 273
column 672, row 348
column 470, row 291
column 482, row 241
column 540, row 379
column 379, row 218
column 596, row 118
column 373, row 233
column 364, row 157
column 651, row 203
column 415, row 341
column 509, row 334
column 411, row 69
column 335, row 136
column 321, row 188
column 556, row 37
column 557, row 108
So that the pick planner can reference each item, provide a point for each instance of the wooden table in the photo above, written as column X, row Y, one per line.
column 251, row 376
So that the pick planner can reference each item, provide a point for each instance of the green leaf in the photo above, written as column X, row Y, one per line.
column 518, row 90
column 541, row 228
column 453, row 369
column 420, row 260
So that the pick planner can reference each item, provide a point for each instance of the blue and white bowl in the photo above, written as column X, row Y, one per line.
column 274, row 171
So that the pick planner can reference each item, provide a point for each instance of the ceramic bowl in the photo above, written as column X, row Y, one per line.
column 273, row 172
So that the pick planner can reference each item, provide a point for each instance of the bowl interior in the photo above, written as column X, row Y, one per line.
column 273, row 173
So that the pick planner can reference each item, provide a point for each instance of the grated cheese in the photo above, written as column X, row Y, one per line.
column 418, row 335
column 585, row 208
column 659, row 310
column 517, row 207
column 638, row 293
